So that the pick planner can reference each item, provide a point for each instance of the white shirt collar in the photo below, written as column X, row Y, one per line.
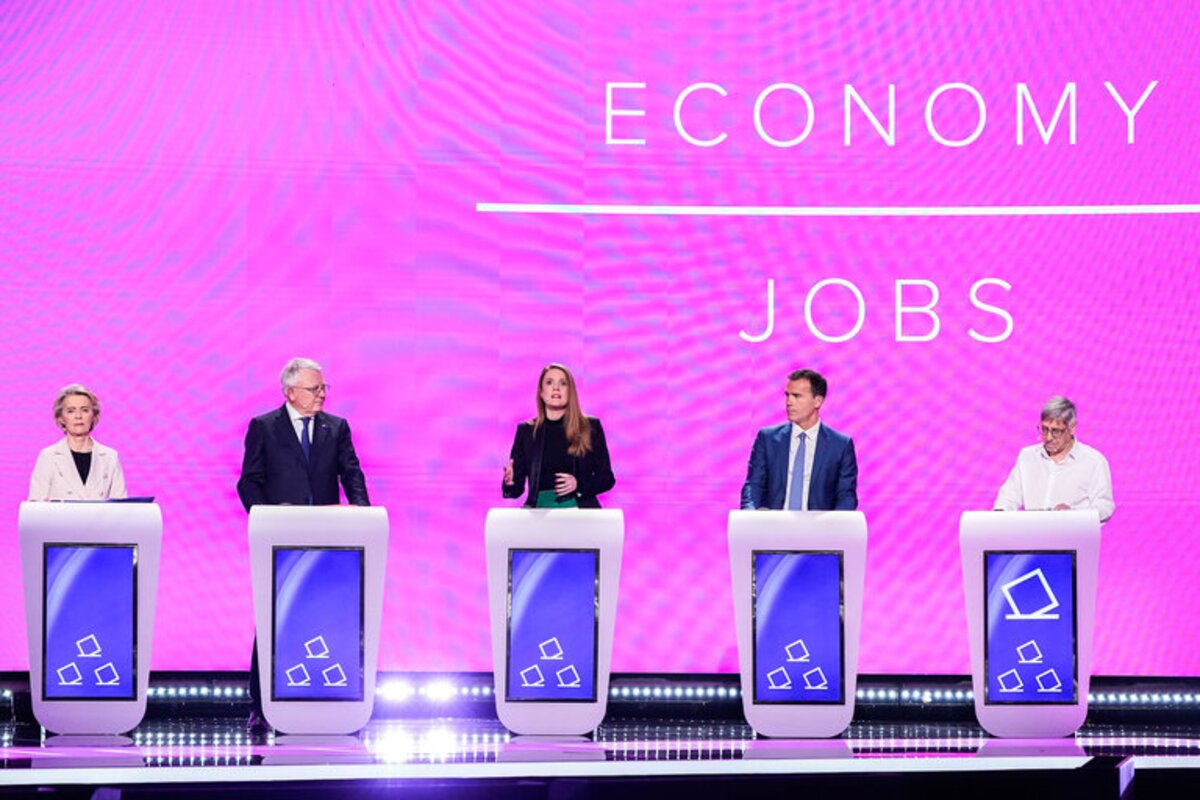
column 811, row 432
column 294, row 415
column 1072, row 454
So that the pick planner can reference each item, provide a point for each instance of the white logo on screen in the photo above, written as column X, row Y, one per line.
column 1031, row 594
column 779, row 679
column 532, row 677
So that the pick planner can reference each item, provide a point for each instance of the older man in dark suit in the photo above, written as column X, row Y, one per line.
column 295, row 455
column 804, row 465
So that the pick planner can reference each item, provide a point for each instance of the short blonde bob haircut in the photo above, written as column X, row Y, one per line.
column 80, row 390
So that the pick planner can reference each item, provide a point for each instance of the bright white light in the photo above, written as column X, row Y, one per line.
column 440, row 691
column 439, row 743
column 395, row 691
column 394, row 746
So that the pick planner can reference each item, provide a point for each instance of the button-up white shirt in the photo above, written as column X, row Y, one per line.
column 298, row 424
column 810, row 450
column 1038, row 482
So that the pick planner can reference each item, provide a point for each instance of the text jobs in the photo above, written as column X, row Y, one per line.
column 916, row 316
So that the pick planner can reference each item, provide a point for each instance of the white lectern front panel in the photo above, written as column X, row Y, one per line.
column 1029, row 579
column 91, row 575
column 797, row 588
column 318, row 575
column 552, row 591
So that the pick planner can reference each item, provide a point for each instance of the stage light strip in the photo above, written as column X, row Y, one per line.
column 442, row 691
column 617, row 209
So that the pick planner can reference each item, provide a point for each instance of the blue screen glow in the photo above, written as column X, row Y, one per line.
column 1030, row 612
column 89, row 622
column 553, row 599
column 798, row 636
column 318, row 632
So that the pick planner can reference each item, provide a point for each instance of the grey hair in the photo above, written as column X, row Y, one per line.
column 1061, row 409
column 291, row 371
column 75, row 389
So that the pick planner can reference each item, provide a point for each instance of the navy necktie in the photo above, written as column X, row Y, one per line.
column 305, row 442
column 796, row 496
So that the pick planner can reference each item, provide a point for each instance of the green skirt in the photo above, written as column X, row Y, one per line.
column 548, row 499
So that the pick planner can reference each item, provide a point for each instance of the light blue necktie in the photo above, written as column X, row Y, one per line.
column 796, row 497
column 305, row 442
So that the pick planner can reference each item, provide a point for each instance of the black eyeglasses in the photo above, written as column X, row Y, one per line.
column 1053, row 433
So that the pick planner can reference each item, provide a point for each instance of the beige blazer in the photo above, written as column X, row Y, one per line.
column 55, row 477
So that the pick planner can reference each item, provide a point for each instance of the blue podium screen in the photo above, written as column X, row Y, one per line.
column 798, row 627
column 317, row 637
column 1030, row 645
column 553, row 618
column 89, row 622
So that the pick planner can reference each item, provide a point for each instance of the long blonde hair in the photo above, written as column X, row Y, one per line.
column 575, row 422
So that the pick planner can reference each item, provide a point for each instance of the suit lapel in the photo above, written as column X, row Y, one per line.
column 320, row 433
column 783, row 447
column 285, row 432
column 816, row 491
column 93, row 481
column 65, row 464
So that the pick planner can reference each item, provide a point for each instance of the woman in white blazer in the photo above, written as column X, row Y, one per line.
column 77, row 467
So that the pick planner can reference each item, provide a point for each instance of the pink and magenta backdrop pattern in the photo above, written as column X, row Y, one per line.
column 192, row 192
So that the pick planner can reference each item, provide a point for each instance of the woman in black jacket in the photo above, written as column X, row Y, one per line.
column 560, row 452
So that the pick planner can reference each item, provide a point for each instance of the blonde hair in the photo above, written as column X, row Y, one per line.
column 575, row 423
column 75, row 389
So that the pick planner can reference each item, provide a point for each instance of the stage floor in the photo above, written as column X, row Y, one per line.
column 469, row 757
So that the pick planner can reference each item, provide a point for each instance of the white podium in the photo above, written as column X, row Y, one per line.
column 797, row 598
column 318, row 575
column 91, row 577
column 1029, row 578
column 552, row 592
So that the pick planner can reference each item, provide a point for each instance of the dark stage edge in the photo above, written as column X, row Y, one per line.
column 436, row 735
column 214, row 757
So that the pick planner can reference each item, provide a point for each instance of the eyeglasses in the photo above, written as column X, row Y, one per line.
column 319, row 390
column 1053, row 433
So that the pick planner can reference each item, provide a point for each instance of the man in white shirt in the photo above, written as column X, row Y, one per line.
column 1061, row 473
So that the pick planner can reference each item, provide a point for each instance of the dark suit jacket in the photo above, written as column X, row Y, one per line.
column 274, row 471
column 593, row 472
column 834, row 482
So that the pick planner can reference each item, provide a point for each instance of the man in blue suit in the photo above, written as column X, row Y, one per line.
column 804, row 465
column 295, row 455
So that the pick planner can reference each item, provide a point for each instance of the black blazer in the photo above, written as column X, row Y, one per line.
column 274, row 471
column 593, row 472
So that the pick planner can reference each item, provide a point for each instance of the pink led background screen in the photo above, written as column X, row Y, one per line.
column 192, row 192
